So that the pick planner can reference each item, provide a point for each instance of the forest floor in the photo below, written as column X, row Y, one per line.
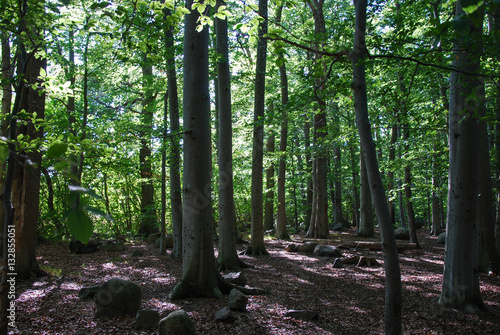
column 349, row 300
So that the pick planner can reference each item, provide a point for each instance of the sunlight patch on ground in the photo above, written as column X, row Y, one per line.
column 434, row 261
column 109, row 266
column 356, row 309
column 71, row 286
column 30, row 294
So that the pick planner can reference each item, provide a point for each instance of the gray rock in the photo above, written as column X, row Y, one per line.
column 402, row 234
column 237, row 301
column 291, row 248
column 112, row 246
column 88, row 292
column 305, row 315
column 327, row 250
column 338, row 263
column 237, row 278
column 442, row 238
column 153, row 237
column 169, row 241
column 176, row 323
column 147, row 319
column 308, row 247
column 225, row 315
column 118, row 297
column 338, row 227
column 78, row 247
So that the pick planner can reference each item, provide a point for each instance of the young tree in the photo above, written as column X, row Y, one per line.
column 257, row 246
column 175, row 157
column 460, row 287
column 391, row 259
column 199, row 277
column 281, row 231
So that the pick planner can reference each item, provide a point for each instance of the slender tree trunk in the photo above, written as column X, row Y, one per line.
column 228, row 257
column 309, row 192
column 199, row 277
column 355, row 176
column 175, row 157
column 149, row 222
column 391, row 260
column 390, row 173
column 460, row 280
column 365, row 227
column 269, row 205
column 436, row 210
column 257, row 246
column 6, row 106
column 408, row 193
column 281, row 231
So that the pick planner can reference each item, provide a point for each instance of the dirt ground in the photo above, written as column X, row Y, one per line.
column 349, row 300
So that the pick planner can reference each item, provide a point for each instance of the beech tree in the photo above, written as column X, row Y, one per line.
column 391, row 258
column 460, row 279
column 199, row 278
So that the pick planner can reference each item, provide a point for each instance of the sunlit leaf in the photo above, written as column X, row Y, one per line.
column 80, row 225
column 57, row 149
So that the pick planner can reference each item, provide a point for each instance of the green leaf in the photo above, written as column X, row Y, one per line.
column 80, row 225
column 79, row 189
column 470, row 6
column 57, row 149
column 97, row 211
column 4, row 152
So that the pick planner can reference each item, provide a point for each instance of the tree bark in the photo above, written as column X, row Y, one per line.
column 257, row 246
column 318, row 226
column 269, row 205
column 460, row 287
column 228, row 257
column 199, row 277
column 391, row 258
column 175, row 157
column 366, row 225
column 149, row 223
column 281, row 230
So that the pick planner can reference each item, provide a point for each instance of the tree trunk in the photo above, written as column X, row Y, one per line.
column 390, row 173
column 460, row 288
column 319, row 218
column 149, row 222
column 228, row 257
column 391, row 260
column 365, row 227
column 26, row 179
column 175, row 157
column 269, row 205
column 281, row 231
column 199, row 277
column 309, row 192
column 408, row 195
column 338, row 214
column 257, row 246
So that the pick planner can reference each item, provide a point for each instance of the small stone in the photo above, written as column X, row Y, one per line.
column 337, row 263
column 237, row 278
column 442, row 238
column 176, row 323
column 146, row 319
column 237, row 301
column 305, row 315
column 225, row 315
column 88, row 292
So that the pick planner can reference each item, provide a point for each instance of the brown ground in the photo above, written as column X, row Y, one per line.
column 349, row 300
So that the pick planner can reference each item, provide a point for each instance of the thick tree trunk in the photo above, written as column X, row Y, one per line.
column 319, row 217
column 199, row 277
column 26, row 180
column 391, row 260
column 175, row 157
column 228, row 257
column 460, row 280
column 257, row 246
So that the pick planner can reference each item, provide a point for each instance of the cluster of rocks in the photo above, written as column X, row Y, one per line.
column 334, row 252
column 93, row 245
column 123, row 297
column 237, row 303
